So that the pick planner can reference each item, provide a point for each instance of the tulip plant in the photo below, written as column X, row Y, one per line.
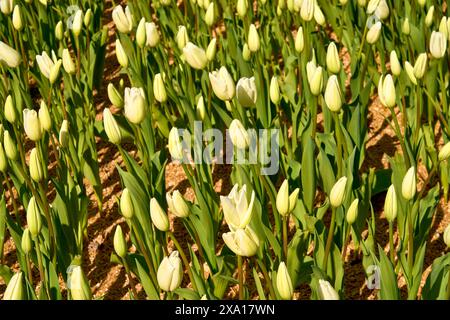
column 284, row 84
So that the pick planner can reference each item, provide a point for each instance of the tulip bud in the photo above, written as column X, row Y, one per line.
column 222, row 84
column 15, row 289
column 120, row 244
column 59, row 31
column 26, row 243
column 284, row 282
column 126, row 204
column 253, row 39
column 421, row 3
column 382, row 11
column 44, row 117
column 429, row 17
column 158, row 216
column 420, row 66
column 374, row 33
column 307, row 10
column 165, row 3
column 201, row 111
column 122, row 19
column 79, row 285
column 362, row 3
column 242, row 7
column 195, row 56
column 68, row 64
column 333, row 96
column 438, row 44
column 152, row 34
column 333, row 62
column 246, row 53
column 64, row 134
column 209, row 15
column 170, row 272
column 246, row 93
column 10, row 146
column 406, row 29
column 211, row 50
column 141, row 34
column 134, row 105
column 352, row 212
column 299, row 40
column 17, row 18
column 34, row 221
column 390, row 204
column 243, row 242
column 386, row 91
column 54, row 72
column 182, row 37
column 444, row 153
column 395, row 64
column 293, row 198
column 32, row 124
column 121, row 55
column 238, row 135
column 9, row 56
column 274, row 91
column 114, row 96
column 87, row 18
column 159, row 90
column 337, row 193
column 372, row 6
column 177, row 204
column 111, row 127
column 175, row 145
column 77, row 23
column 409, row 185
column 443, row 27
column 3, row 159
column 315, row 77
column 447, row 236
column 282, row 200
column 10, row 111
column 36, row 170
column 326, row 291
column 318, row 15
column 410, row 72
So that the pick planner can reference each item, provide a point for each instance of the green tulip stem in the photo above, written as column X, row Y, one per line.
column 130, row 278
column 443, row 87
column 410, row 238
column 346, row 241
column 329, row 239
column 314, row 117
column 391, row 243
column 240, row 277
column 29, row 273
column 339, row 159
column 448, row 285
column 199, row 246
column 398, row 133
column 184, row 259
column 21, row 151
column 263, row 269
column 13, row 199
column 437, row 107
column 41, row 267
column 418, row 112
column 285, row 221
column 51, row 232
column 77, row 43
column 55, row 150
column 363, row 41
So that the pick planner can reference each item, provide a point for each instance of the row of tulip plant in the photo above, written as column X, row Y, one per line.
column 290, row 83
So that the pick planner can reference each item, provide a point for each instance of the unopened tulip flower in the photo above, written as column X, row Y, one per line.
column 286, row 202
column 175, row 145
column 170, row 272
column 17, row 18
column 318, row 15
column 49, row 66
column 307, row 10
column 114, row 96
column 159, row 90
column 372, row 6
column 141, row 34
column 10, row 111
column 201, row 109
column 284, row 282
column 362, row 3
column 120, row 244
column 222, row 84
column 211, row 50
column 246, row 93
column 406, row 29
column 352, row 212
column 195, row 56
column 410, row 72
column 177, row 204
column 253, row 39
column 34, row 220
column 274, row 90
column 79, row 285
column 32, row 124
column 134, row 105
column 337, row 193
column 390, row 204
column 438, row 44
column 238, row 135
column 243, row 242
column 447, row 236
column 36, row 170
column 386, row 91
column 246, row 53
column 121, row 55
column 444, row 153
column 242, row 7
column 87, row 18
column 111, row 127
column 395, row 64
column 421, row 3
column 59, row 30
column 299, row 40
column 429, row 17
column 44, row 117
column 77, row 23
column 9, row 56
column 382, row 11
column 333, row 95
column 333, row 62
column 6, row 6
column 326, row 291
column 15, row 289
column 443, row 26
column 236, row 209
column 10, row 146
column 420, row 66
column 409, row 185
column 68, row 64
column 374, row 33
column 158, row 216
column 182, row 37
column 152, row 34
column 3, row 159
column 122, row 19
column 64, row 134
column 26, row 242
column 209, row 15
column 126, row 204
column 314, row 75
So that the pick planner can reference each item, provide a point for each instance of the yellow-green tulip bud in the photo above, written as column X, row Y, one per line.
column 177, row 204
column 114, row 96
column 111, row 127
column 59, row 30
column 6, row 6
column 170, row 272
column 206, row 4
column 182, row 37
column 293, row 198
column 222, row 84
column 121, row 55
column 406, row 29
column 120, row 244
column 15, row 289
column 175, row 145
column 429, row 17
column 246, row 53
column 44, row 117
column 79, row 285
column 282, row 200
column 10, row 146
column 87, row 18
column 17, row 18
column 10, row 111
column 438, row 44
column 274, row 90
column 444, row 153
column 374, row 33
column 314, row 75
column 44, row 2
column 409, row 185
column 9, row 56
column 211, row 50
column 284, row 282
column 209, row 15
column 333, row 96
column 299, row 40
column 421, row 3
column 362, row 3
column 307, row 10
column 410, row 72
column 236, row 209
column 165, row 3
column 382, row 10
column 201, row 110
column 395, row 64
column 420, row 66
column 253, row 39
column 326, row 291
column 318, row 15
column 64, row 134
column 158, row 216
column 443, row 26
column 77, row 23
column 343, row 2
column 122, row 19
column 3, row 159
column 238, row 135
column 447, row 236
column 246, row 93
column 134, row 105
column 54, row 71
column 372, row 6
column 337, row 193
column 195, row 56
column 390, row 204
column 126, row 204
column 68, row 64
column 32, row 124
column 141, row 34
column 242, row 7
column 36, row 170
column 152, row 34
column 282, row 4
column 352, row 212
column 159, row 90
column 386, row 91
column 34, row 220
column 333, row 62
column 26, row 242
column 243, row 242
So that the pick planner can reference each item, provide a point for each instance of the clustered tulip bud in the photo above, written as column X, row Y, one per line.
column 77, row 23
column 337, row 193
column 395, row 64
column 36, row 170
column 429, row 17
column 10, row 146
column 222, row 84
column 326, row 291
column 284, row 282
column 175, row 146
column 34, row 220
column 242, row 7
column 246, row 53
column 111, row 127
column 299, row 40
column 120, row 244
column 243, row 242
column 122, row 19
column 209, row 15
column 444, row 153
column 9, row 56
column 410, row 72
column 182, row 37
column 44, row 117
column 236, row 209
column 274, row 90
column 318, row 15
column 170, row 272
column 238, row 135
column 195, row 56
column 59, row 31
column 420, row 66
column 406, row 29
column 285, row 203
column 87, row 18
column 307, row 10
column 49, row 66
column 333, row 95
column 438, row 44
column 372, row 6
column 443, row 26
column 315, row 77
column 352, row 212
column 114, row 96
column 409, row 186
column 333, row 62
column 64, row 134
column 32, row 124
column 17, row 18
column 158, row 216
column 382, row 10
column 390, row 204
column 10, row 111
column 159, row 90
column 374, row 33
column 177, row 204
column 68, row 64
column 201, row 109
column 253, row 39
column 121, row 55
column 79, row 285
column 386, row 91
column 26, row 242
column 126, row 204
column 246, row 93
column 211, row 50
column 15, row 289
column 134, row 105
